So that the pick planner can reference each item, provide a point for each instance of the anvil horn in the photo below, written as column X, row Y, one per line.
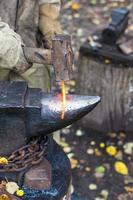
column 77, row 106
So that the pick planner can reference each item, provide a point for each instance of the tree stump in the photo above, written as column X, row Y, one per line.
column 113, row 82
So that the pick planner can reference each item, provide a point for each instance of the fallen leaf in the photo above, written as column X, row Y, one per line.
column 102, row 145
column 93, row 2
column 73, row 162
column 99, row 175
column 67, row 149
column 128, row 148
column 97, row 152
column 128, row 189
column 130, row 28
column 90, row 151
column 93, row 143
column 100, row 169
column 63, row 144
column 119, row 155
column 79, row 133
column 4, row 197
column 105, row 193
column 121, row 168
column 70, row 155
column 111, row 150
column 20, row 193
column 11, row 187
column 3, row 161
column 92, row 186
column 75, row 6
column 87, row 169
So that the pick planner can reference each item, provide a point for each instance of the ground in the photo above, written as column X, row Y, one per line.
column 94, row 156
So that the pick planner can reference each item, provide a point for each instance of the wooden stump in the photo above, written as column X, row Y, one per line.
column 114, row 84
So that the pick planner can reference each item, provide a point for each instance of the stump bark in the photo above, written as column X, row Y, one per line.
column 114, row 84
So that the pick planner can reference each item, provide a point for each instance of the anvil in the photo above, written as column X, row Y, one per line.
column 28, row 112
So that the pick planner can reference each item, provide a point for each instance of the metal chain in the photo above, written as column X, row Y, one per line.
column 27, row 156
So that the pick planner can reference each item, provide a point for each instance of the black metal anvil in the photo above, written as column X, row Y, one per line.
column 24, row 114
column 117, row 27
column 27, row 112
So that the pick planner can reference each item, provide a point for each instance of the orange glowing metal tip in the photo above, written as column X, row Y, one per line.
column 63, row 90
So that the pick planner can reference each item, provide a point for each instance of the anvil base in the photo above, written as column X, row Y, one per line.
column 60, row 182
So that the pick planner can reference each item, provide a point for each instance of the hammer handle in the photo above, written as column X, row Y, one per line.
column 38, row 55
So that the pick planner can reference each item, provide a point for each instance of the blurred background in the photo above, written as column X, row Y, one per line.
column 102, row 163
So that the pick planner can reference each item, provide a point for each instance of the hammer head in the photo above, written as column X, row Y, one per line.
column 62, row 56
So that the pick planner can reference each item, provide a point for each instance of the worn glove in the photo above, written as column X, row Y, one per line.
column 48, row 22
column 11, row 53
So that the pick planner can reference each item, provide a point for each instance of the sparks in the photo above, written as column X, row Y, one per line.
column 63, row 90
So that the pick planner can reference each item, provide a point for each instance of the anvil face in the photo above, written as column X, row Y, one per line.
column 26, row 112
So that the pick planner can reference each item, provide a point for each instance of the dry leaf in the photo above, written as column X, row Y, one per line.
column 20, row 193
column 63, row 144
column 111, row 150
column 4, row 197
column 75, row 6
column 74, row 163
column 11, row 187
column 128, row 189
column 130, row 28
column 3, row 161
column 121, row 168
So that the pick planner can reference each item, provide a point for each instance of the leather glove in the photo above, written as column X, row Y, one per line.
column 48, row 22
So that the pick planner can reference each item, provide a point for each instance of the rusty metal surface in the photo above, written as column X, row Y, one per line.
column 39, row 176
column 62, row 57
column 27, row 156
column 61, row 178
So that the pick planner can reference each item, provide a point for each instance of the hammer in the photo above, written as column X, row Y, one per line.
column 60, row 57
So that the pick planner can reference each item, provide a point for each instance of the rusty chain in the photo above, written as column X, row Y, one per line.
column 27, row 156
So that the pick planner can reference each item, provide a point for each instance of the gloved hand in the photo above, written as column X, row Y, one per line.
column 48, row 22
column 11, row 52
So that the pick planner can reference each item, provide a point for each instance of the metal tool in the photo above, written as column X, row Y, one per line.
column 27, row 112
column 60, row 56
column 117, row 26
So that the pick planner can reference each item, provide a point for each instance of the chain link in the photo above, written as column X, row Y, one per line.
column 27, row 156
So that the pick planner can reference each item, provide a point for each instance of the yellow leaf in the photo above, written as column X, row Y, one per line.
column 75, row 6
column 102, row 145
column 111, row 150
column 63, row 144
column 4, row 197
column 11, row 187
column 121, row 168
column 20, row 193
column 74, row 163
column 3, row 161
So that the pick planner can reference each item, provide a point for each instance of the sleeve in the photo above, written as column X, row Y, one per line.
column 10, row 46
column 49, row 1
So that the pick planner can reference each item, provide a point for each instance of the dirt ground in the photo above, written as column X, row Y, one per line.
column 94, row 156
